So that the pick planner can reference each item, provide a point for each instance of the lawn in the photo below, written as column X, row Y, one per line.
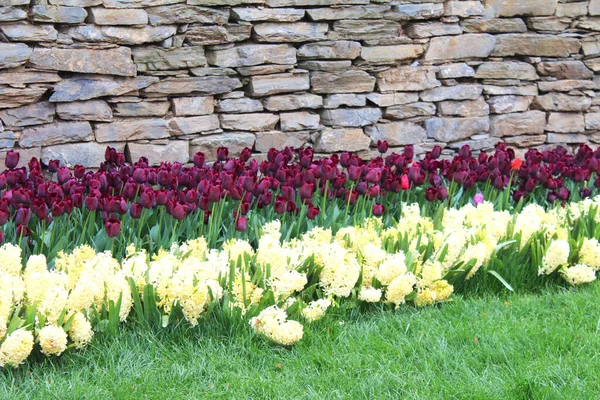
column 525, row 346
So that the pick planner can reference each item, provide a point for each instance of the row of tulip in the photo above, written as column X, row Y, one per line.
column 278, row 283
column 121, row 203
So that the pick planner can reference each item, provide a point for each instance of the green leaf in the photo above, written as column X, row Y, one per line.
column 501, row 279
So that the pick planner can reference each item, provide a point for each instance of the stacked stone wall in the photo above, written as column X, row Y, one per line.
column 167, row 78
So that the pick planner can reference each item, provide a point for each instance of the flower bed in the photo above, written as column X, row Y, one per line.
column 152, row 207
column 280, row 283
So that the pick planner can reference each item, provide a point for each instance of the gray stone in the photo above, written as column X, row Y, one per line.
column 142, row 109
column 74, row 3
column 411, row 110
column 407, row 79
column 186, row 14
column 89, row 154
column 56, row 133
column 26, row 32
column 507, row 70
column 252, row 14
column 523, row 123
column 341, row 49
column 511, row 8
column 565, row 70
column 494, row 25
column 565, row 122
column 469, row 108
column 112, row 61
column 453, row 129
column 15, row 97
column 452, row 71
column 531, row 44
column 293, row 102
column 264, row 70
column 10, row 13
column 416, row 11
column 471, row 45
column 216, row 34
column 243, row 105
column 252, row 54
column 249, row 122
column 299, row 121
column 134, row 129
column 156, row 58
column 266, row 85
column 92, row 110
column 349, row 99
column 392, row 99
column 13, row 54
column 332, row 140
column 594, row 7
column 158, row 151
column 463, row 8
column 14, row 2
column 525, row 140
column 299, row 3
column 429, row 29
column 509, row 104
column 567, row 138
column 191, row 125
column 205, row 85
column 347, row 12
column 290, row 32
column 20, row 77
column 592, row 121
column 209, row 71
column 325, row 66
column 139, row 3
column 121, row 34
column 391, row 54
column 107, row 16
column 350, row 117
column 93, row 86
column 458, row 92
column 234, row 141
column 185, row 106
column 374, row 29
column 562, row 102
column 566, row 85
column 32, row 114
column 528, row 90
column 549, row 24
column 279, row 140
column 58, row 14
column 7, row 140
column 398, row 133
column 350, row 81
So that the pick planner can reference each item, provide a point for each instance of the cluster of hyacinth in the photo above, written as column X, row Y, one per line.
column 279, row 283
column 290, row 182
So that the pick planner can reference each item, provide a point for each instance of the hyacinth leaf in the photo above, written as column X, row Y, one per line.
column 137, row 303
column 15, row 323
column 501, row 279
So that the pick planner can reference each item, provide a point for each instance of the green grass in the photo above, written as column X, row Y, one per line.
column 527, row 346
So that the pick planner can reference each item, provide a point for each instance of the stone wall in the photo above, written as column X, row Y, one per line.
column 168, row 78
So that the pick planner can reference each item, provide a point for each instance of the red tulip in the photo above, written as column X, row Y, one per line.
column 113, row 227
column 404, row 182
column 23, row 231
column 312, row 211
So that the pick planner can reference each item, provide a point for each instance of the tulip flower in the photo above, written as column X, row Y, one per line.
column 312, row 212
column 382, row 146
column 378, row 209
column 113, row 227
column 478, row 199
column 12, row 159
column 241, row 224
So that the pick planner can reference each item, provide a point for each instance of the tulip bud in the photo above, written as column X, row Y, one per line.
column 135, row 210
column 12, row 159
column 382, row 146
column 23, row 215
column 409, row 152
column 378, row 209
column 585, row 192
column 113, row 227
column 404, row 182
column 241, row 224
column 312, row 211
column 222, row 153
column 4, row 217
column 53, row 165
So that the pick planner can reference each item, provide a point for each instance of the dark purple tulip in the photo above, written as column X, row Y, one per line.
column 564, row 194
column 140, row 176
column 58, row 209
column 222, row 153
column 1, row 237
column 63, row 174
column 312, row 211
column 113, row 227
column 431, row 194
column 135, row 210
column 382, row 146
column 585, row 192
column 40, row 209
column 280, row 205
column 241, row 224
column 178, row 212
column 3, row 182
column 4, row 216
column 442, row 193
column 354, row 172
column 23, row 216
column 409, row 152
column 79, row 171
column 378, row 209
column 23, row 231
column 91, row 203
column 306, row 191
column 12, row 159
column 53, row 165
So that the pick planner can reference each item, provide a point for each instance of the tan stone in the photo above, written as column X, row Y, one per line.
column 185, row 106
column 249, row 122
column 157, row 152
column 332, row 140
column 467, row 46
column 524, row 123
column 350, row 81
column 565, row 122
column 407, row 79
